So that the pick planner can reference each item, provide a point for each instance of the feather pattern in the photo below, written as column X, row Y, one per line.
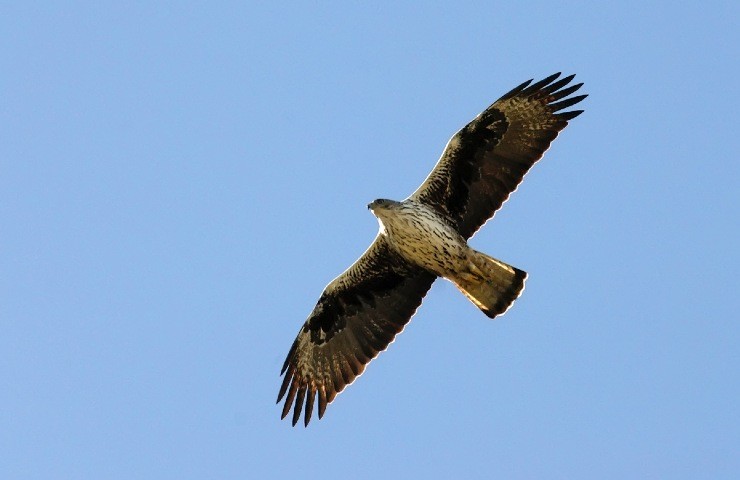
column 487, row 159
column 357, row 316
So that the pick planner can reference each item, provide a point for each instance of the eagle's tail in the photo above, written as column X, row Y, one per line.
column 490, row 284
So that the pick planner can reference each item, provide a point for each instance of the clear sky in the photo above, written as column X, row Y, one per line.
column 179, row 182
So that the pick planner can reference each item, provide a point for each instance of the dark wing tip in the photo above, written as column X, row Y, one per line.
column 298, row 394
column 556, row 96
column 322, row 402
column 545, row 91
column 553, row 95
column 299, row 404
column 289, row 357
column 516, row 90
column 569, row 115
column 283, row 387
column 535, row 87
column 546, row 88
column 289, row 399
column 310, row 398
column 566, row 103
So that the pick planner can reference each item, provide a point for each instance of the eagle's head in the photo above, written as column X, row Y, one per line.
column 382, row 209
column 381, row 204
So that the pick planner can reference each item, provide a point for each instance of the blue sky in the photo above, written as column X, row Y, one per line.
column 178, row 182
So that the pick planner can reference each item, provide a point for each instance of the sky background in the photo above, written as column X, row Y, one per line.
column 178, row 183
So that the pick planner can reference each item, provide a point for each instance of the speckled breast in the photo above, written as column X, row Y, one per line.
column 421, row 236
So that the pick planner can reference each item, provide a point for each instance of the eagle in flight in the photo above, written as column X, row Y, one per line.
column 424, row 237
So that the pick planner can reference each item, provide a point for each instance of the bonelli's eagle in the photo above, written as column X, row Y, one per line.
column 424, row 237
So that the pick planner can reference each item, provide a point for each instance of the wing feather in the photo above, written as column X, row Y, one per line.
column 322, row 401
column 487, row 159
column 310, row 398
column 357, row 316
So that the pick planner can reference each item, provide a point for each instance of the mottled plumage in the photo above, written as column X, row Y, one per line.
column 424, row 237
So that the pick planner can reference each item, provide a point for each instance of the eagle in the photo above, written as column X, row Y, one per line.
column 425, row 237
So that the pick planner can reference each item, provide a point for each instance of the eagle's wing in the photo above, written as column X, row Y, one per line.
column 486, row 160
column 357, row 316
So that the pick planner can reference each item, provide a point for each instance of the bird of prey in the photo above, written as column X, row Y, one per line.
column 424, row 237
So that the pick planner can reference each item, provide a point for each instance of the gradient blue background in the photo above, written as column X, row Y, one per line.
column 178, row 183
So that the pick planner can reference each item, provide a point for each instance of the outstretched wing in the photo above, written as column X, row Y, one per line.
column 357, row 316
column 486, row 160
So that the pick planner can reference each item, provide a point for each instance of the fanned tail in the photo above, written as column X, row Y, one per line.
column 490, row 284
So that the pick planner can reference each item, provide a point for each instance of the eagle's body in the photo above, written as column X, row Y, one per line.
column 424, row 237
column 427, row 239
column 421, row 236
